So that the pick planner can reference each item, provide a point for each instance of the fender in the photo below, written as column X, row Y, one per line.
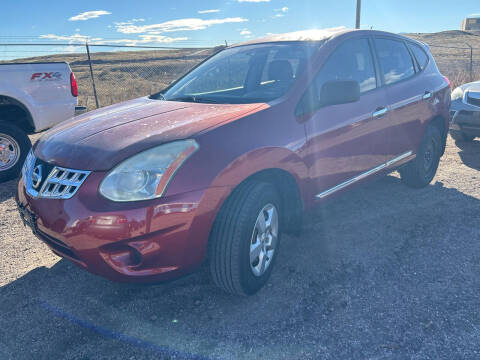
column 254, row 161
column 239, row 170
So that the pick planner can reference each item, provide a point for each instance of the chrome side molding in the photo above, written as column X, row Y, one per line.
column 363, row 175
column 398, row 158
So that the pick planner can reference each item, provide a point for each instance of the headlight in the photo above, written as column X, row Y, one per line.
column 147, row 174
column 457, row 93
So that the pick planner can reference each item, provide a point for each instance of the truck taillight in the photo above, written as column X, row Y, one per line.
column 73, row 85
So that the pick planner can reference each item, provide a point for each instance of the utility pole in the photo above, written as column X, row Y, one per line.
column 359, row 6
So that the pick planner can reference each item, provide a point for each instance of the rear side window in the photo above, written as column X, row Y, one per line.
column 352, row 60
column 395, row 60
column 420, row 55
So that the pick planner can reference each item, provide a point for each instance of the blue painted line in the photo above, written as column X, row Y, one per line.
column 107, row 333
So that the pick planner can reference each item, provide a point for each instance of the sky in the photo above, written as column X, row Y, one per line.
column 190, row 23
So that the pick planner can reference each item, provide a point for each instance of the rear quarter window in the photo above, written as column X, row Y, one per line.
column 420, row 55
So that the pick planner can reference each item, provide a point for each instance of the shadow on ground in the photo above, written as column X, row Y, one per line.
column 470, row 153
column 384, row 272
column 7, row 190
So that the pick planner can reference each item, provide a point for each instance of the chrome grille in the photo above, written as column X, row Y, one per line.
column 61, row 183
column 27, row 172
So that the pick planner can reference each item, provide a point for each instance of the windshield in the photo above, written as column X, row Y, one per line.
column 244, row 74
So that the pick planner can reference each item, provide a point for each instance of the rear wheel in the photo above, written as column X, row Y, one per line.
column 460, row 136
column 420, row 171
column 245, row 239
column 14, row 147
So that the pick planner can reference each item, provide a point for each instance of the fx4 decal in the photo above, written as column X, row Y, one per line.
column 46, row 76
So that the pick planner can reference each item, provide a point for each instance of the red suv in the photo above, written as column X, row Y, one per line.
column 222, row 162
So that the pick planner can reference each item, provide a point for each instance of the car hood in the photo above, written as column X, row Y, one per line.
column 98, row 140
column 473, row 86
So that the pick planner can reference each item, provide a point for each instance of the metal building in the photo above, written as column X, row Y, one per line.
column 471, row 23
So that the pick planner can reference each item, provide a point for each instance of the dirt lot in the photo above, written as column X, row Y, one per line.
column 383, row 272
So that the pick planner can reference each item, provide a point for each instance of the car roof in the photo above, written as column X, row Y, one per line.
column 316, row 35
column 304, row 35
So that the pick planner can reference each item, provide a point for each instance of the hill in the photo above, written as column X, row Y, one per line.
column 125, row 75
column 452, row 53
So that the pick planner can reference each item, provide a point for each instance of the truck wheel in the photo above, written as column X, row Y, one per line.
column 420, row 171
column 245, row 239
column 460, row 136
column 14, row 147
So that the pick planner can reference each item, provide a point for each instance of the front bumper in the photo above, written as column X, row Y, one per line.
column 465, row 118
column 138, row 242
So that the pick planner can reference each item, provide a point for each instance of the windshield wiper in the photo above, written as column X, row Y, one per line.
column 157, row 96
column 193, row 98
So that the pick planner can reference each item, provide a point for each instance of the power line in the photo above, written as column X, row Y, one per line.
column 97, row 45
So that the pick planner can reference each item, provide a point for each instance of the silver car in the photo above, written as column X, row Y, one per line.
column 465, row 112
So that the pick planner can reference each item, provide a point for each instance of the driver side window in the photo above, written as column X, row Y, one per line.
column 352, row 60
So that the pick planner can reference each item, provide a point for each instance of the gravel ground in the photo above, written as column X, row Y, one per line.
column 385, row 272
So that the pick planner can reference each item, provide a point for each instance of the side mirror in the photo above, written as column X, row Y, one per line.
column 339, row 92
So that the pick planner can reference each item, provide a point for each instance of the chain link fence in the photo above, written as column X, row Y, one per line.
column 130, row 74
column 459, row 64
column 457, row 54
column 117, row 74
column 109, row 74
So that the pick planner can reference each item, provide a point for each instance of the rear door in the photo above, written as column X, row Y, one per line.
column 409, row 98
column 349, row 141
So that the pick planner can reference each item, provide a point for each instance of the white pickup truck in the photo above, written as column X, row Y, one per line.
column 33, row 97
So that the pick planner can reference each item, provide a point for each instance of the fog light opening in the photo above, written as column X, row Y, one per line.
column 127, row 257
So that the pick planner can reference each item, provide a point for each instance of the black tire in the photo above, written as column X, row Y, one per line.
column 24, row 145
column 420, row 171
column 460, row 136
column 230, row 239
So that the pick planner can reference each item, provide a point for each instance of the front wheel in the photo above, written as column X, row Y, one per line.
column 420, row 171
column 245, row 239
column 14, row 147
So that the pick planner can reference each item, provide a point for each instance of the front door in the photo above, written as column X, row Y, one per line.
column 347, row 142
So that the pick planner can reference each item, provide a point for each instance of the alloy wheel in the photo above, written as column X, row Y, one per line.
column 9, row 152
column 264, row 240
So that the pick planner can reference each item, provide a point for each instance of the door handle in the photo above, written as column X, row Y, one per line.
column 380, row 112
column 427, row 95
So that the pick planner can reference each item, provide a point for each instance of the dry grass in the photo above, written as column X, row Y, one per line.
column 126, row 75
column 452, row 54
